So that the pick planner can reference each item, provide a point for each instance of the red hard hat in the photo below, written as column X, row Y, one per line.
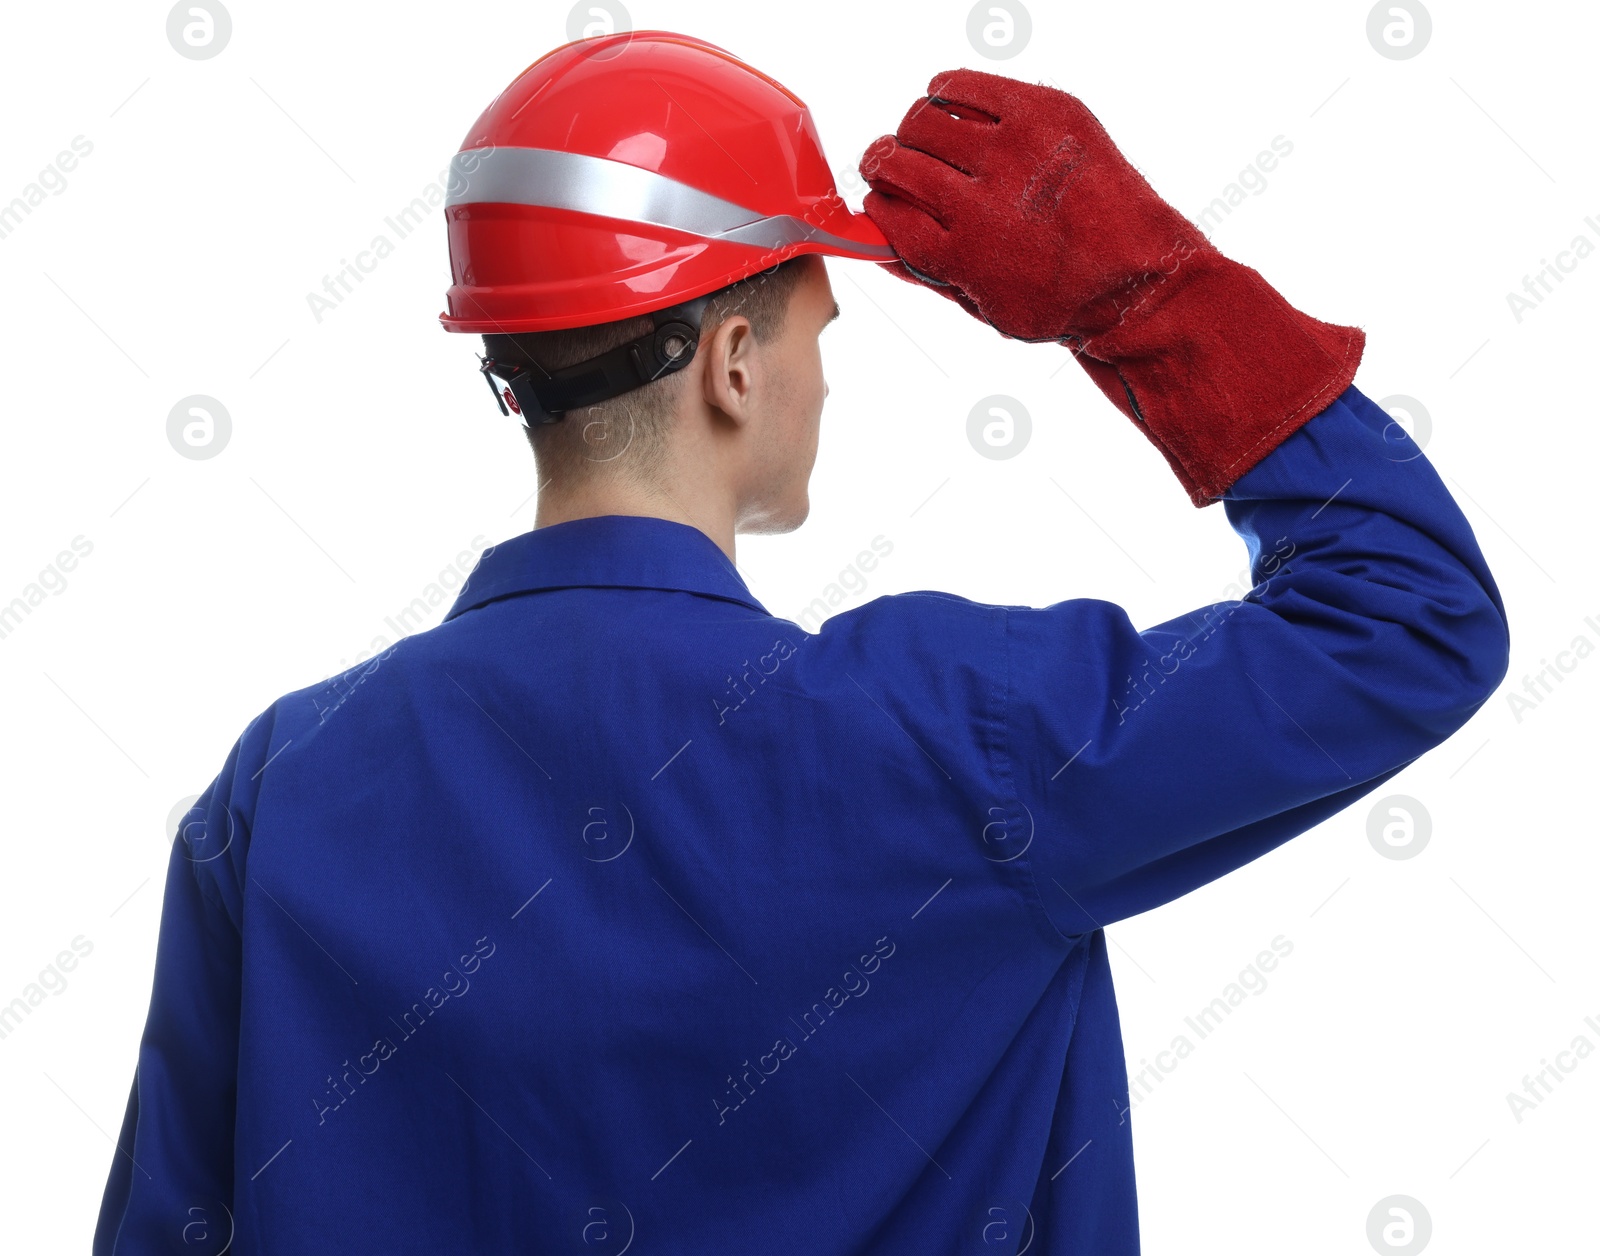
column 626, row 173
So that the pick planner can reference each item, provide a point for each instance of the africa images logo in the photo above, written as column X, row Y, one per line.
column 854, row 984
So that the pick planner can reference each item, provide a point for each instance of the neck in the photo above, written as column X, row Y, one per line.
column 682, row 500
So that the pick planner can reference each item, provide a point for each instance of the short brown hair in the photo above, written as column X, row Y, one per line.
column 636, row 422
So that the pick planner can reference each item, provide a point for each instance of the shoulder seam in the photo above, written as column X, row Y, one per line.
column 1032, row 897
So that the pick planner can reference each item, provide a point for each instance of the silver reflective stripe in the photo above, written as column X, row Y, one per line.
column 614, row 189
column 783, row 229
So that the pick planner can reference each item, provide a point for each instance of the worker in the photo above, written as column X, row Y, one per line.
column 616, row 912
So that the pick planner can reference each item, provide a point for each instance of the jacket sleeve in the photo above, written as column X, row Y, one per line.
column 171, row 1181
column 1146, row 764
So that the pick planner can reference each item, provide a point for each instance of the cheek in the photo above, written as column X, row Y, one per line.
column 816, row 385
column 810, row 420
column 796, row 433
column 803, row 389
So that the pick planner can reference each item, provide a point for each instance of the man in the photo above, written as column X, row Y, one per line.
column 615, row 910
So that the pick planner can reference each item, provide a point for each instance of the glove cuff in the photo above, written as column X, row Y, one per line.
column 1219, row 371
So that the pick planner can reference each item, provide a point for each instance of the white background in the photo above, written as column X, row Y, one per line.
column 365, row 455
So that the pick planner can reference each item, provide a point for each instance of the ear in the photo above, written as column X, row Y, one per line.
column 728, row 374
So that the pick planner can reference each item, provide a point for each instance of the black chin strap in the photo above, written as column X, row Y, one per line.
column 541, row 396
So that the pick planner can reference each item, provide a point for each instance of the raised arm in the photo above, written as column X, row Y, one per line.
column 1144, row 764
column 1152, row 762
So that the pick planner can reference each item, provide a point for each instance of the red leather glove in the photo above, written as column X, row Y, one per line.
column 1021, row 210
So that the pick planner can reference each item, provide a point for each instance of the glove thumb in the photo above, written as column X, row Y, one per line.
column 904, row 270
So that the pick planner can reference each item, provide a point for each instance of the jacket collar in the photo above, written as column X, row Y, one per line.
column 605, row 551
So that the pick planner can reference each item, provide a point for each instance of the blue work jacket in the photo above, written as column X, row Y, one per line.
column 615, row 912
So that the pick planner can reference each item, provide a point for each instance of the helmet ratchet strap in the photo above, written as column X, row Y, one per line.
column 669, row 346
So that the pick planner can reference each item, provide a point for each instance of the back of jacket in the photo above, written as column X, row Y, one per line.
column 615, row 910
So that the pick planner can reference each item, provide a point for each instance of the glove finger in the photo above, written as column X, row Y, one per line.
column 1001, row 98
column 993, row 95
column 912, row 234
column 936, row 188
column 960, row 142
